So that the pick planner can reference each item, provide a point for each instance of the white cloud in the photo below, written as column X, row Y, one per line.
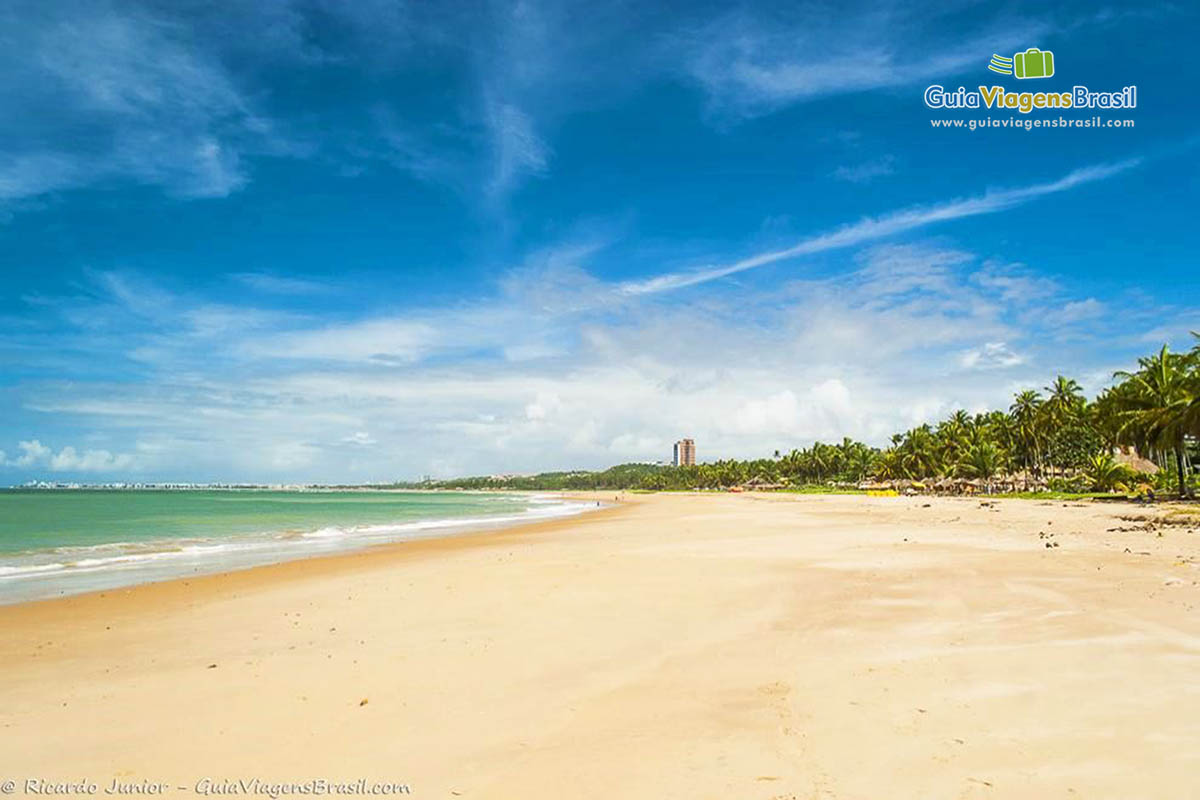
column 891, row 270
column 553, row 369
column 866, row 171
column 385, row 341
column 279, row 284
column 991, row 355
column 536, row 62
column 32, row 452
column 1079, row 310
column 774, row 413
column 176, row 96
column 132, row 99
column 36, row 455
column 519, row 151
column 29, row 174
column 752, row 64
column 545, row 405
column 908, row 332
column 638, row 446
column 69, row 460
column 873, row 228
column 285, row 456
column 361, row 438
column 1014, row 281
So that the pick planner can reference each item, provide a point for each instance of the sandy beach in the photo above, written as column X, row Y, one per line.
column 703, row 646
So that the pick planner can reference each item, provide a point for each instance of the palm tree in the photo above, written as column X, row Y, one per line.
column 863, row 462
column 791, row 464
column 1155, row 405
column 889, row 465
column 997, row 427
column 1026, row 413
column 952, row 436
column 918, row 453
column 1156, row 409
column 1064, row 403
column 1105, row 473
column 1065, row 400
column 983, row 460
column 1189, row 414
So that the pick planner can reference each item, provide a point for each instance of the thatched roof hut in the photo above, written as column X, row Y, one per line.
column 760, row 484
column 1130, row 458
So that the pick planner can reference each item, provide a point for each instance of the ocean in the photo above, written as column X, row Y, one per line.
column 59, row 542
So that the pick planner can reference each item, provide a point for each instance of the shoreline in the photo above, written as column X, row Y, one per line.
column 67, row 570
column 750, row 645
column 482, row 534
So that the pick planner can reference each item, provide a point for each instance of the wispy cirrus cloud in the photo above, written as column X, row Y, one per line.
column 753, row 63
column 873, row 228
column 180, row 97
column 131, row 99
column 866, row 171
column 281, row 284
column 1078, row 310
column 536, row 61
column 519, row 151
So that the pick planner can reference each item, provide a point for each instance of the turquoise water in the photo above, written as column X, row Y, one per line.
column 68, row 541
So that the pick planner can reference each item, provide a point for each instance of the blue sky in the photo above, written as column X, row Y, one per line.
column 284, row 240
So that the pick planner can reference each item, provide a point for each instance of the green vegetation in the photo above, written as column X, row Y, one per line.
column 1057, row 442
column 622, row 476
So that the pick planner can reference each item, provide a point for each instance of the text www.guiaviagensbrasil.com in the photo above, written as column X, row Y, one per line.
column 1021, row 123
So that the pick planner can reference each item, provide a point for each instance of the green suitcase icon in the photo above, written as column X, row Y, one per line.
column 1033, row 63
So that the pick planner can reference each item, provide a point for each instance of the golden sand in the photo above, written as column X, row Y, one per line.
column 708, row 646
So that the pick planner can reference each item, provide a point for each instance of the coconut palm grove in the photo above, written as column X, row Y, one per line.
column 1139, row 436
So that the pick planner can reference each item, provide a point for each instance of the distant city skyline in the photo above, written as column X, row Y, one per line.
column 289, row 242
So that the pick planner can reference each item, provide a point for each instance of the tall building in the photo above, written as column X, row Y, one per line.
column 685, row 453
